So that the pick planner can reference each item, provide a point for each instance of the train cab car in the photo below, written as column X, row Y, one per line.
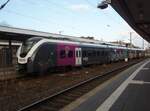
column 25, row 51
column 36, row 55
column 40, row 54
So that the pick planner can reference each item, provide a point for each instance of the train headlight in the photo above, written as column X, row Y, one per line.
column 22, row 60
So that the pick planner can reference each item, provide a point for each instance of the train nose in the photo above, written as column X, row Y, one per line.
column 22, row 55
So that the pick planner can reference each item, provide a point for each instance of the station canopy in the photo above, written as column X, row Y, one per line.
column 17, row 34
column 136, row 13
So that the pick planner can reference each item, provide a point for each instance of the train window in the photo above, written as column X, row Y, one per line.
column 106, row 53
column 102, row 53
column 94, row 53
column 62, row 54
column 89, row 54
column 70, row 54
column 98, row 53
column 84, row 53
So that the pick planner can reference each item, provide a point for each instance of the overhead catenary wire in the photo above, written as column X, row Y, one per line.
column 33, row 18
column 61, row 7
column 3, row 5
column 39, row 20
column 56, row 12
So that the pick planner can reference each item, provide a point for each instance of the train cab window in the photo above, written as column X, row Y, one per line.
column 28, row 44
column 62, row 54
column 70, row 54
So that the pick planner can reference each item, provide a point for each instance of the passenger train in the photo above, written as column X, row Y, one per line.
column 39, row 54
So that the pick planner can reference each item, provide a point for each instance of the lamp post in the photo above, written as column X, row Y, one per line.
column 60, row 32
column 143, row 43
column 131, row 39
column 104, row 4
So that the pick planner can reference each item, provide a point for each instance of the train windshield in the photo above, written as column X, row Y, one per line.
column 27, row 45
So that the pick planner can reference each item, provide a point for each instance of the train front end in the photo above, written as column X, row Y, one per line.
column 25, row 55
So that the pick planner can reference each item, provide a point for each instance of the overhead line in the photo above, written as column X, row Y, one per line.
column 39, row 20
column 26, row 16
column 55, row 13
column 3, row 5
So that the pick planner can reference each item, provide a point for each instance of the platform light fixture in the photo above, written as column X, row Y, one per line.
column 104, row 4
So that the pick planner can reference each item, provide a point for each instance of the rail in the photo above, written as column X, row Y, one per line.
column 44, row 100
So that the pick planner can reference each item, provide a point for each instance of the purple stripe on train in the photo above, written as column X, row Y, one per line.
column 66, row 54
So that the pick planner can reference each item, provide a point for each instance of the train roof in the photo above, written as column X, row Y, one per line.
column 91, row 44
column 75, row 43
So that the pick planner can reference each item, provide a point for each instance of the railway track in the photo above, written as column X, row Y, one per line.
column 62, row 98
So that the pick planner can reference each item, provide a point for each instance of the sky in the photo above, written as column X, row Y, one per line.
column 68, row 17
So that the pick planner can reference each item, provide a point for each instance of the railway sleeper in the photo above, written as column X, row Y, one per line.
column 59, row 100
column 68, row 98
column 74, row 95
column 47, row 108
column 93, row 85
column 81, row 91
column 53, row 104
column 87, row 88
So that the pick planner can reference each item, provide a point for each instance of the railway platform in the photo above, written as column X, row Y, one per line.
column 128, row 91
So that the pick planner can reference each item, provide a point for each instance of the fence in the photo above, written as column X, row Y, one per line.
column 8, row 61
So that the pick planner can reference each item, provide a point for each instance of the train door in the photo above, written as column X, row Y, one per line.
column 78, row 56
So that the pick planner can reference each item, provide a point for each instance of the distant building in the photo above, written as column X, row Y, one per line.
column 124, row 44
column 91, row 38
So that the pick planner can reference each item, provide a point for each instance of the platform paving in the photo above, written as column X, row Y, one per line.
column 128, row 91
column 136, row 96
